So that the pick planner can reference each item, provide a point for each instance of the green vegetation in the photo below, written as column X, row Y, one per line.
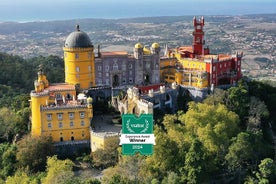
column 225, row 139
column 229, row 137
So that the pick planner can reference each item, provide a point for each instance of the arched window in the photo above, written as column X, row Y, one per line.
column 115, row 66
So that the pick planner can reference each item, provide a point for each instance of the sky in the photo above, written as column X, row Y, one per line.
column 43, row 10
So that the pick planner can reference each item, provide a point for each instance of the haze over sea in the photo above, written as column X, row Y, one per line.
column 45, row 10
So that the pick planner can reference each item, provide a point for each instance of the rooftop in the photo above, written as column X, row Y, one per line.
column 61, row 87
column 115, row 53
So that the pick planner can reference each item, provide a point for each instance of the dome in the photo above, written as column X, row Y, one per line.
column 155, row 45
column 138, row 46
column 78, row 39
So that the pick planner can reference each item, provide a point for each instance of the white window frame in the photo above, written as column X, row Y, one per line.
column 60, row 124
column 71, row 115
column 49, row 117
column 82, row 115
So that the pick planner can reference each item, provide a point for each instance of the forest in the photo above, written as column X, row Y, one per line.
column 229, row 137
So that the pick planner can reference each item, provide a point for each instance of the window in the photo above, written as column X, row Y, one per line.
column 89, row 68
column 65, row 54
column 60, row 125
column 59, row 116
column 82, row 134
column 49, row 125
column 124, row 67
column 115, row 66
column 71, row 124
column 89, row 55
column 99, row 68
column 77, row 56
column 130, row 66
column 100, row 74
column 82, row 115
column 130, row 72
column 82, row 123
column 77, row 69
column 49, row 117
column 107, row 81
column 214, row 68
column 99, row 81
column 107, row 74
column 106, row 68
column 71, row 115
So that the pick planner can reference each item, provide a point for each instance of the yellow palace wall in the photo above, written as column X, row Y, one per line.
column 66, row 126
column 79, row 66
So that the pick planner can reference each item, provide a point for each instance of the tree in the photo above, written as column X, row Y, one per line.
column 33, row 152
column 193, row 170
column 240, row 152
column 165, row 156
column 20, row 177
column 7, row 160
column 172, row 178
column 59, row 171
column 266, row 173
column 257, row 113
column 129, row 168
column 238, row 101
column 218, row 97
column 213, row 125
column 109, row 155
column 8, row 119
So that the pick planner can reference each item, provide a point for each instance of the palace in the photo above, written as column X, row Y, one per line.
column 195, row 67
column 64, row 111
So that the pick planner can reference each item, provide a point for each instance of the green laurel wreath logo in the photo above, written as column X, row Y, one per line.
column 132, row 131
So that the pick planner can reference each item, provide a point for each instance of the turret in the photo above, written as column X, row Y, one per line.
column 155, row 48
column 79, row 60
column 41, row 83
column 198, row 34
column 138, row 51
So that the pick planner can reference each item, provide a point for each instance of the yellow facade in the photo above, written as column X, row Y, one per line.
column 184, row 71
column 57, row 112
column 79, row 67
column 37, row 100
column 64, row 124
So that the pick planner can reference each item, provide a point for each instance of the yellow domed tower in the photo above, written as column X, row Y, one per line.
column 79, row 60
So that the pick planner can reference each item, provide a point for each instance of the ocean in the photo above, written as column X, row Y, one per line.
column 64, row 10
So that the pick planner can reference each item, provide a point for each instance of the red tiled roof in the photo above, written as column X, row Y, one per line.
column 61, row 87
column 186, row 49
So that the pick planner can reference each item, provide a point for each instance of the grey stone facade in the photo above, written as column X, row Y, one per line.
column 120, row 69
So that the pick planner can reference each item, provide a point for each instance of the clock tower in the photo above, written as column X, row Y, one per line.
column 198, row 34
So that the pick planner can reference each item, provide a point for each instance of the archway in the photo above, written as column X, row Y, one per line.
column 115, row 80
column 146, row 78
